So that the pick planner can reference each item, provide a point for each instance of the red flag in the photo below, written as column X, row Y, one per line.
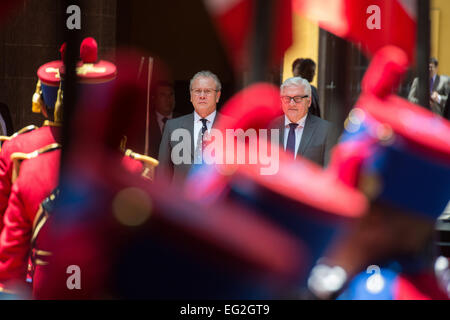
column 373, row 23
column 234, row 21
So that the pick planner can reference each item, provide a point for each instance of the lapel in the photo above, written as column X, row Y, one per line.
column 188, row 123
column 308, row 132
column 435, row 83
column 154, row 127
column 280, row 126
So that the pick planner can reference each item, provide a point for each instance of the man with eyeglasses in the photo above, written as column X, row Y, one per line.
column 303, row 134
column 205, row 89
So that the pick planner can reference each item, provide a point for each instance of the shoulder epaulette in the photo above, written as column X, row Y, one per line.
column 146, row 160
column 21, row 131
column 149, row 163
column 18, row 157
column 25, row 130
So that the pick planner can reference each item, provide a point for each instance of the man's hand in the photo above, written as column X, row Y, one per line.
column 435, row 97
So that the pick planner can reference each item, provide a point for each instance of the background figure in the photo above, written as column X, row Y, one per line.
column 302, row 133
column 439, row 89
column 446, row 114
column 306, row 68
column 164, row 104
column 6, row 126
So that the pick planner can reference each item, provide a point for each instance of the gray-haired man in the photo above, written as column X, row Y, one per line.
column 205, row 89
column 301, row 133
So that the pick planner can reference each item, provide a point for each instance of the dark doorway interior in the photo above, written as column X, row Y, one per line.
column 181, row 34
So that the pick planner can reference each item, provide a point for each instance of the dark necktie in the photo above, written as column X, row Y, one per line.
column 204, row 129
column 291, row 138
column 164, row 120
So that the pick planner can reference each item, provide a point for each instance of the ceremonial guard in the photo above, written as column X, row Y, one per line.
column 37, row 177
column 32, row 138
column 398, row 154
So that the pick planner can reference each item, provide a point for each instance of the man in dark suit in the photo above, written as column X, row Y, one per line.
column 447, row 110
column 306, row 68
column 439, row 89
column 301, row 133
column 164, row 104
column 5, row 120
column 179, row 149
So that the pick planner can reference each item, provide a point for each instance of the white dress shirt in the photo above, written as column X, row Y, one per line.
column 298, row 132
column 159, row 119
column 198, row 124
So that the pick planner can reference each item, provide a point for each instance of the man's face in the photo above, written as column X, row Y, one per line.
column 433, row 70
column 204, row 96
column 295, row 110
column 296, row 70
column 164, row 100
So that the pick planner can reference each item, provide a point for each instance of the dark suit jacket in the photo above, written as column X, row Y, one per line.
column 314, row 109
column 4, row 112
column 155, row 134
column 446, row 114
column 318, row 138
column 166, row 168
column 441, row 86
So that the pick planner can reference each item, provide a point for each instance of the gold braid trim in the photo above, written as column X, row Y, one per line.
column 18, row 157
column 149, row 163
column 37, row 104
column 58, row 113
column 140, row 157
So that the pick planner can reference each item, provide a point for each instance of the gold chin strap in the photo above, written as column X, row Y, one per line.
column 58, row 114
column 37, row 101
column 149, row 163
column 18, row 157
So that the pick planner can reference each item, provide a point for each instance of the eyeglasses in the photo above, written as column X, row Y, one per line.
column 297, row 99
column 207, row 92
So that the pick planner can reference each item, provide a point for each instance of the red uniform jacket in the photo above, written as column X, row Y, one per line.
column 27, row 142
column 38, row 177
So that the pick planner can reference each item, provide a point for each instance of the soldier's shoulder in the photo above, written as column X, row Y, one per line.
column 7, row 139
column 36, row 156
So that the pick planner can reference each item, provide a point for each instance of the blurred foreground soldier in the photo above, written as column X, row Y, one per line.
column 32, row 138
column 404, row 169
column 37, row 177
column 302, row 133
column 130, row 239
column 297, row 196
column 439, row 89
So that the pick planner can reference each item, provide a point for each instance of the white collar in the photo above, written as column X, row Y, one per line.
column 210, row 117
column 301, row 122
column 160, row 116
